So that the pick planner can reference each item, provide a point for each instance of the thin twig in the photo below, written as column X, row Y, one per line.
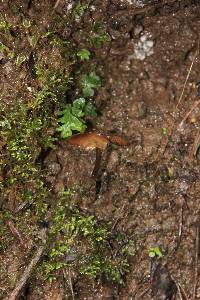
column 16, row 232
column 195, row 146
column 196, row 264
column 143, row 293
column 178, row 288
column 179, row 291
column 180, row 230
column 118, row 218
column 183, row 292
column 26, row 275
column 132, row 293
column 56, row 5
column 188, row 113
column 70, row 282
column 186, row 80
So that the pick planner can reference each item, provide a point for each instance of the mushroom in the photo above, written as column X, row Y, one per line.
column 98, row 141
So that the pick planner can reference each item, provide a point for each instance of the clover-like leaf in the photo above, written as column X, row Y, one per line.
column 90, row 83
column 83, row 54
column 70, row 123
column 72, row 117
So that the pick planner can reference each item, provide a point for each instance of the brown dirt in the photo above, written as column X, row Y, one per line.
column 138, row 99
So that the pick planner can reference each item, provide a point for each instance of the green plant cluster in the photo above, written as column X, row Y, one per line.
column 80, row 241
column 99, row 37
column 155, row 252
column 72, row 117
column 30, row 127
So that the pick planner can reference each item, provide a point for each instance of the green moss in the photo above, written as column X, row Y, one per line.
column 4, row 24
column 29, row 127
column 79, row 241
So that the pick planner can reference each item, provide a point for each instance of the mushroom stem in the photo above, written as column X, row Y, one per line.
column 97, row 162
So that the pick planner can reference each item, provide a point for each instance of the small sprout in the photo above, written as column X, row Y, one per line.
column 170, row 173
column 3, row 47
column 19, row 60
column 164, row 131
column 100, row 39
column 83, row 54
column 90, row 83
column 129, row 248
column 155, row 252
column 33, row 40
column 79, row 11
column 26, row 23
column 4, row 25
column 98, row 36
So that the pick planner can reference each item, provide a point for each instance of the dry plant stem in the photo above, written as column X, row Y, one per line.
column 189, row 112
column 180, row 99
column 15, row 232
column 180, row 232
column 70, row 282
column 186, row 80
column 196, row 263
column 133, row 293
column 195, row 145
column 56, row 5
column 118, row 218
column 181, row 292
column 143, row 293
column 26, row 275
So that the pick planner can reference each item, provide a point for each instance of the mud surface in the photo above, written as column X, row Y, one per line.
column 150, row 189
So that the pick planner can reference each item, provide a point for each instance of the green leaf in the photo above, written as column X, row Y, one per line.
column 88, row 91
column 90, row 109
column 71, row 117
column 90, row 83
column 78, row 106
column 70, row 123
column 83, row 54
column 99, row 39
column 155, row 252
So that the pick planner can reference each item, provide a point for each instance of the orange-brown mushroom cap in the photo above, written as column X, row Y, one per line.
column 90, row 140
column 93, row 140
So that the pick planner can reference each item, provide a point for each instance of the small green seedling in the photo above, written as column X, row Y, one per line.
column 164, row 131
column 79, row 11
column 98, row 36
column 170, row 173
column 155, row 252
column 100, row 39
column 90, row 83
column 4, row 24
column 84, row 54
column 72, row 117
